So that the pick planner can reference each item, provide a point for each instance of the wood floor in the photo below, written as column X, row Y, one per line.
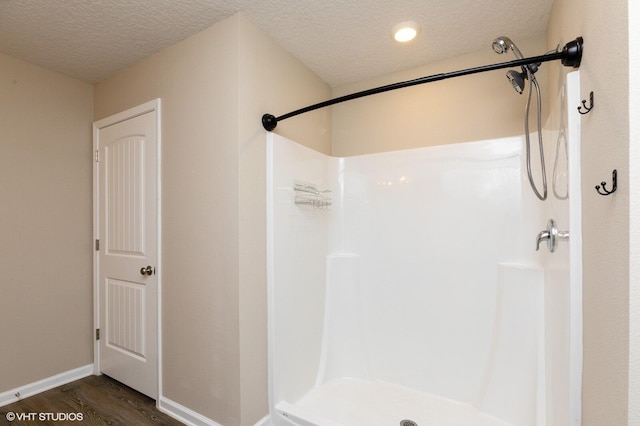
column 95, row 400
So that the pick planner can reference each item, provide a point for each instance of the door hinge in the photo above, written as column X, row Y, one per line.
column 97, row 334
column 97, row 156
column 97, row 245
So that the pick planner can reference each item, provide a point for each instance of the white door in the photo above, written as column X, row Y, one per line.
column 127, row 250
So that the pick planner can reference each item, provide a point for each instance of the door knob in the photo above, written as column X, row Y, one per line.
column 146, row 270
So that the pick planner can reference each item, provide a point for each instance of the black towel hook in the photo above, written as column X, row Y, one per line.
column 605, row 191
column 587, row 109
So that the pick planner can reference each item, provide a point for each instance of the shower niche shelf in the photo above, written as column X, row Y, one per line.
column 308, row 194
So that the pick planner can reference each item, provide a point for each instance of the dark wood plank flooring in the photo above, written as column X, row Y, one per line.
column 99, row 400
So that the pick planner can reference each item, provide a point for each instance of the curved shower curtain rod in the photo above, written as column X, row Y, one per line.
column 570, row 56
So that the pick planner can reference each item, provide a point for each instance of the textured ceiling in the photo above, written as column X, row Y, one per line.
column 342, row 41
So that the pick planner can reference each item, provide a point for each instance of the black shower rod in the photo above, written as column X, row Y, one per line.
column 570, row 56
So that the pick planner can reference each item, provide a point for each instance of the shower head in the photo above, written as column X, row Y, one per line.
column 517, row 80
column 503, row 44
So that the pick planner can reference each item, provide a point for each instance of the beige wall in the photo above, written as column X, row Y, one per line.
column 271, row 81
column 197, row 82
column 634, row 227
column 475, row 107
column 214, row 87
column 605, row 146
column 45, row 223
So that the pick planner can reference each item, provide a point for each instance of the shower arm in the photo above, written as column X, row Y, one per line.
column 570, row 56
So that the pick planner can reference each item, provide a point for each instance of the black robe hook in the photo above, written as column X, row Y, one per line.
column 587, row 109
column 605, row 191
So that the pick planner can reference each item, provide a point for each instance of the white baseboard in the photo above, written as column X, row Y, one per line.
column 34, row 388
column 184, row 414
column 165, row 405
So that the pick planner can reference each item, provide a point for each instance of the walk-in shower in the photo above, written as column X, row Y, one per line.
column 404, row 287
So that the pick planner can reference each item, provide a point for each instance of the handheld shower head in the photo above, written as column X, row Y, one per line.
column 503, row 44
column 499, row 46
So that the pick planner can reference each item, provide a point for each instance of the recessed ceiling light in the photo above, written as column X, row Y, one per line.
column 405, row 31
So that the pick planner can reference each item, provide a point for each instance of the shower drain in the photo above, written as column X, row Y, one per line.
column 408, row 423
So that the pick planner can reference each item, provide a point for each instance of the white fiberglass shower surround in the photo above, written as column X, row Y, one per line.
column 405, row 288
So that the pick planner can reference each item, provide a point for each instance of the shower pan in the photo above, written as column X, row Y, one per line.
column 404, row 288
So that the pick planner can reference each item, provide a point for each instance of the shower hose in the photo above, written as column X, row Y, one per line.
column 534, row 82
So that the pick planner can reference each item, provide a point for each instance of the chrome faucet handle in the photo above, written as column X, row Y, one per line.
column 542, row 236
column 551, row 235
